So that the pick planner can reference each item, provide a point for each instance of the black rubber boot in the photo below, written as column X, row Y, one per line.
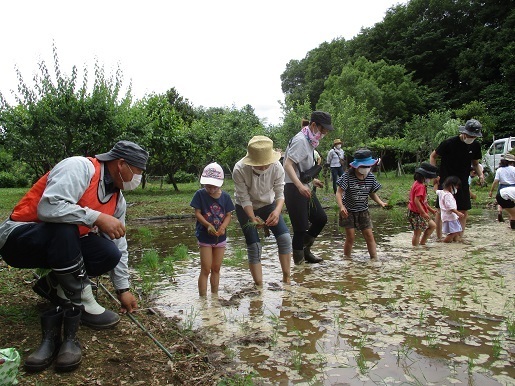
column 77, row 287
column 48, row 287
column 51, row 322
column 308, row 256
column 512, row 224
column 70, row 353
column 298, row 257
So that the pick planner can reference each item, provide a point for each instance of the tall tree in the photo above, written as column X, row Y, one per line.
column 59, row 116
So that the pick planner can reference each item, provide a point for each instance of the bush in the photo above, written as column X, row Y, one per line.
column 409, row 168
column 182, row 177
column 9, row 180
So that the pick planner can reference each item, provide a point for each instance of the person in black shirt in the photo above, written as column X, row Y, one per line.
column 457, row 154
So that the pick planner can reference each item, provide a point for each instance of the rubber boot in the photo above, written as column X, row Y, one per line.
column 298, row 257
column 70, row 353
column 310, row 258
column 51, row 322
column 512, row 224
column 48, row 287
column 77, row 287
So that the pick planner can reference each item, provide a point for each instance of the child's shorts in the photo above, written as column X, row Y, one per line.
column 358, row 220
column 453, row 226
column 418, row 223
column 219, row 245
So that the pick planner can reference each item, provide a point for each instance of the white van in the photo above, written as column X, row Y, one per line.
column 497, row 148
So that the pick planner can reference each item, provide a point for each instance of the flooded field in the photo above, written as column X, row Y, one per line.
column 437, row 315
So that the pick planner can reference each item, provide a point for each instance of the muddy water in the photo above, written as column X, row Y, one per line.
column 442, row 314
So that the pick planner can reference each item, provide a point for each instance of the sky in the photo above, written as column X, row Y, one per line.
column 221, row 53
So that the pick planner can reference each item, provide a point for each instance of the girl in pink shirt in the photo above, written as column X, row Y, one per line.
column 448, row 208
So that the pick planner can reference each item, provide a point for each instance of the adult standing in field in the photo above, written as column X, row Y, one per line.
column 336, row 160
column 72, row 221
column 457, row 154
column 259, row 197
column 300, row 199
column 505, row 179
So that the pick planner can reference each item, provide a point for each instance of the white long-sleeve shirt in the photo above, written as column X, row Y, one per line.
column 66, row 184
column 258, row 190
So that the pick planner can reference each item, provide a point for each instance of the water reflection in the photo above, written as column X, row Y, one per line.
column 437, row 314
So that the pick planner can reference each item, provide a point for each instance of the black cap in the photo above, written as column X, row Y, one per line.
column 131, row 152
column 322, row 118
column 427, row 170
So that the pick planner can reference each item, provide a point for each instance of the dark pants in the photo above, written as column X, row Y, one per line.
column 335, row 173
column 251, row 233
column 50, row 245
column 302, row 212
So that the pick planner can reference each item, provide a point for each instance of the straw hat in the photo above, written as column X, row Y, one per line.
column 260, row 152
column 337, row 141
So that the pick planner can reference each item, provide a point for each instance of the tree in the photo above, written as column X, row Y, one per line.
column 59, row 117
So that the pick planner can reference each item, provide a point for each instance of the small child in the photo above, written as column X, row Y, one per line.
column 418, row 208
column 448, row 208
column 213, row 209
column 354, row 187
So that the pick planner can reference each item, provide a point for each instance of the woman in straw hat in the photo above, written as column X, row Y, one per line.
column 259, row 197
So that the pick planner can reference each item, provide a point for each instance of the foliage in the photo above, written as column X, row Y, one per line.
column 166, row 137
column 460, row 51
column 62, row 114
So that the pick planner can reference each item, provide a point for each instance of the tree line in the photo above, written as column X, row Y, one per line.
column 399, row 88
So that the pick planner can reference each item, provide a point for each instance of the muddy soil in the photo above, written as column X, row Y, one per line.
column 125, row 355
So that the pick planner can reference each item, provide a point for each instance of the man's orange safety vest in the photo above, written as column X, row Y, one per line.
column 27, row 208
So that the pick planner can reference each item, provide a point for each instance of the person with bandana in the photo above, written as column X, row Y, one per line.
column 307, row 216
column 457, row 154
column 259, row 196
column 72, row 222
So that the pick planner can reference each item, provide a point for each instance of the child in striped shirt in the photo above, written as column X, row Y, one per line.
column 354, row 188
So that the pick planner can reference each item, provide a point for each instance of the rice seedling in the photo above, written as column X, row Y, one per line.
column 510, row 327
column 145, row 234
column 168, row 266
column 296, row 359
column 238, row 380
column 496, row 347
column 238, row 258
column 150, row 260
column 180, row 252
column 189, row 319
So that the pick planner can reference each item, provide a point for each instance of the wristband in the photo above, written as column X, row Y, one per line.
column 122, row 290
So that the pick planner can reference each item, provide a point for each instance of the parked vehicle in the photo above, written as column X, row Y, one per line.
column 497, row 148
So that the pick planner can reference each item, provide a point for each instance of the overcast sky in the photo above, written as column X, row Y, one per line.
column 215, row 53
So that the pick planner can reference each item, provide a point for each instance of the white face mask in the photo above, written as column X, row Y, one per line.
column 468, row 141
column 338, row 146
column 364, row 171
column 454, row 190
column 133, row 183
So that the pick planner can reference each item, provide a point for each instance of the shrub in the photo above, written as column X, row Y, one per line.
column 10, row 180
column 182, row 177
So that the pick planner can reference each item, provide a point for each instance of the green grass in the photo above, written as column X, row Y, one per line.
column 154, row 201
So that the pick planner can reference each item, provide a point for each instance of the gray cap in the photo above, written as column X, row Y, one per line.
column 472, row 127
column 131, row 152
column 427, row 170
